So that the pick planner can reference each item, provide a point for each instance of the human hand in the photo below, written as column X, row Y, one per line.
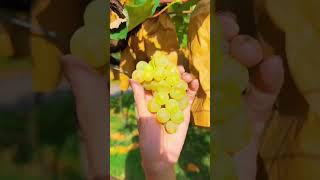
column 160, row 150
column 266, row 76
column 91, row 98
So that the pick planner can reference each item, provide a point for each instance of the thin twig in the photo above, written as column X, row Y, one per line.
column 165, row 8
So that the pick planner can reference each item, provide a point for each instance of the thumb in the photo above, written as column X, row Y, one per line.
column 139, row 97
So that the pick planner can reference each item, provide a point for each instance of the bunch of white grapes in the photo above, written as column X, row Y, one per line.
column 169, row 91
column 89, row 42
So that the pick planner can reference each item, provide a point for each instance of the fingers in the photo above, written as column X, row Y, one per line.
column 246, row 50
column 187, row 77
column 181, row 69
column 193, row 88
column 269, row 75
column 81, row 77
column 230, row 27
column 139, row 96
column 243, row 48
column 192, row 83
column 262, row 94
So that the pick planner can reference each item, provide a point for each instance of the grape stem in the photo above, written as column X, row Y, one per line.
column 165, row 8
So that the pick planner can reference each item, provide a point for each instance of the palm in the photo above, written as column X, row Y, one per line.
column 156, row 144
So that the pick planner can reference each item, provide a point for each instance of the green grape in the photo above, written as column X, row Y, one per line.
column 153, row 85
column 148, row 67
column 177, row 94
column 177, row 117
column 173, row 79
column 141, row 65
column 171, row 127
column 181, row 85
column 153, row 106
column 171, row 70
column 160, row 61
column 159, row 74
column 184, row 102
column 163, row 115
column 150, row 85
column 147, row 85
column 148, row 73
column 172, row 106
column 87, row 44
column 163, row 86
column 96, row 14
column 151, row 62
column 161, row 97
column 137, row 75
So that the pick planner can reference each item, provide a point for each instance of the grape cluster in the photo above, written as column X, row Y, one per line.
column 162, row 78
column 89, row 42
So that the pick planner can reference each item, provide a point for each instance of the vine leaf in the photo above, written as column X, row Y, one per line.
column 136, row 11
column 139, row 10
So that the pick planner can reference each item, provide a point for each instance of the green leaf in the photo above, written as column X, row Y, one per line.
column 138, row 11
column 119, row 34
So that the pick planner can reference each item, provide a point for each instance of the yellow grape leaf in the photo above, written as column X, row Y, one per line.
column 6, row 49
column 111, row 75
column 128, row 64
column 199, row 46
column 293, row 17
column 303, row 59
column 115, row 20
column 310, row 11
column 118, row 136
column 192, row 168
column 46, row 68
column 148, row 40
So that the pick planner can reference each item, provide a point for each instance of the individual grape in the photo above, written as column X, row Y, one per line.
column 148, row 73
column 163, row 115
column 161, row 97
column 141, row 65
column 173, row 79
column 159, row 74
column 177, row 93
column 172, row 106
column 147, row 67
column 137, row 75
column 177, row 117
column 87, row 44
column 171, row 127
column 153, row 106
column 184, row 102
column 181, row 85
column 172, row 69
column 96, row 14
column 163, row 86
column 160, row 60
column 149, row 85
column 151, row 62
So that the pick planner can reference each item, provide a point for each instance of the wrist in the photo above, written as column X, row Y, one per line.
column 159, row 170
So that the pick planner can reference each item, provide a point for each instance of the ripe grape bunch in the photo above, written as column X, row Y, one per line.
column 89, row 42
column 169, row 91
